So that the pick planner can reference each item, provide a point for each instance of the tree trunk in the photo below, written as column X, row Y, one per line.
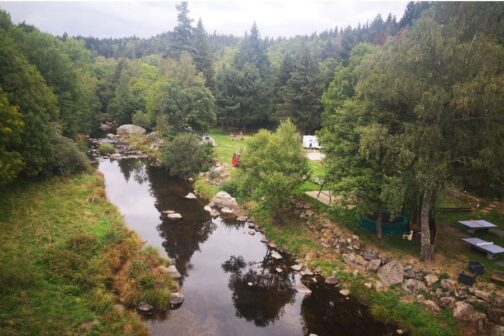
column 427, row 246
column 379, row 222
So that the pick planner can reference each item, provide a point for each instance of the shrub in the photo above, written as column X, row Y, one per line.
column 66, row 158
column 186, row 155
column 142, row 119
column 106, row 149
column 273, row 166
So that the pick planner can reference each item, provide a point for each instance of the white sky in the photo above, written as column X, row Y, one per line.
column 274, row 18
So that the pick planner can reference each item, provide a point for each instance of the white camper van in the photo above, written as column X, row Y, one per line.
column 310, row 142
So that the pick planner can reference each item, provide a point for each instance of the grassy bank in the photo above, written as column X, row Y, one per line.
column 67, row 258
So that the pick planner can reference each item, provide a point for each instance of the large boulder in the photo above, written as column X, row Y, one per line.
column 130, row 129
column 391, row 273
column 223, row 200
column 463, row 311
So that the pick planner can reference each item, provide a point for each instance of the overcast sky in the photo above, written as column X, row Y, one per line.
column 274, row 18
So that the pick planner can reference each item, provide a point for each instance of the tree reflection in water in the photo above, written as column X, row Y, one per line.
column 135, row 166
column 183, row 237
column 326, row 312
column 259, row 292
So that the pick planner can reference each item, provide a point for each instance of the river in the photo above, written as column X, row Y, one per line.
column 229, row 280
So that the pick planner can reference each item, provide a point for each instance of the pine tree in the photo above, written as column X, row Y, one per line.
column 299, row 99
column 181, row 37
column 202, row 54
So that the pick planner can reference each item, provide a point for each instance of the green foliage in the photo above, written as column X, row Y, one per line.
column 142, row 119
column 181, row 99
column 11, row 126
column 181, row 38
column 66, row 158
column 243, row 89
column 36, row 102
column 186, row 155
column 300, row 97
column 273, row 166
column 106, row 149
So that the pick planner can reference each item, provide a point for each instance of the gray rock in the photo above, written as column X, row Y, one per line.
column 145, row 307
column 213, row 212
column 391, row 273
column 463, row 311
column 374, row 265
column 297, row 267
column 190, row 196
column 447, row 302
column 105, row 127
column 276, row 255
column 413, row 286
column 174, row 216
column 173, row 272
column 116, row 156
column 431, row 279
column 222, row 199
column 227, row 211
column 307, row 271
column 344, row 292
column 130, row 129
column 448, row 285
column 432, row 306
column 369, row 255
column 332, row 280
column 251, row 232
column 355, row 260
column 302, row 289
column 242, row 219
column 485, row 296
column 497, row 330
column 176, row 299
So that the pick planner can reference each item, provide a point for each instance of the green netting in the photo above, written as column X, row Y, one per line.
column 398, row 226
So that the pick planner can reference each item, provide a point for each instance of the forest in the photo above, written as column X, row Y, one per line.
column 404, row 107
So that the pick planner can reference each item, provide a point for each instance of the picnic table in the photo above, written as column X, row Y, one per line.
column 489, row 248
column 477, row 225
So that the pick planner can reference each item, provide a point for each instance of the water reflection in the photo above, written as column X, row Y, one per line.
column 230, row 282
column 137, row 167
column 260, row 291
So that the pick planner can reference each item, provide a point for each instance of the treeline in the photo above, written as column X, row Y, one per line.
column 47, row 90
column 404, row 122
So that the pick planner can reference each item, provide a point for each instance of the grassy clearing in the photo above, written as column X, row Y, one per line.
column 226, row 145
column 67, row 257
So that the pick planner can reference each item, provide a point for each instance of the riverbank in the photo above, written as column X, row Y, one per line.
column 69, row 265
column 423, row 301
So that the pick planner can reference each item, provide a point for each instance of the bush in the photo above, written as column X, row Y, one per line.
column 272, row 167
column 66, row 158
column 186, row 155
column 142, row 119
column 106, row 149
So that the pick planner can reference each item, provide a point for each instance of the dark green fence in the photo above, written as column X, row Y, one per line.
column 398, row 226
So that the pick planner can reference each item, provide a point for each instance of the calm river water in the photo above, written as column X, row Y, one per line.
column 228, row 277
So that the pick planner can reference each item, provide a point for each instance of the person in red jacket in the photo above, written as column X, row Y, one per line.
column 235, row 161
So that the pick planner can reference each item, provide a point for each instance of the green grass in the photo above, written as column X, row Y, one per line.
column 63, row 246
column 205, row 189
column 225, row 145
